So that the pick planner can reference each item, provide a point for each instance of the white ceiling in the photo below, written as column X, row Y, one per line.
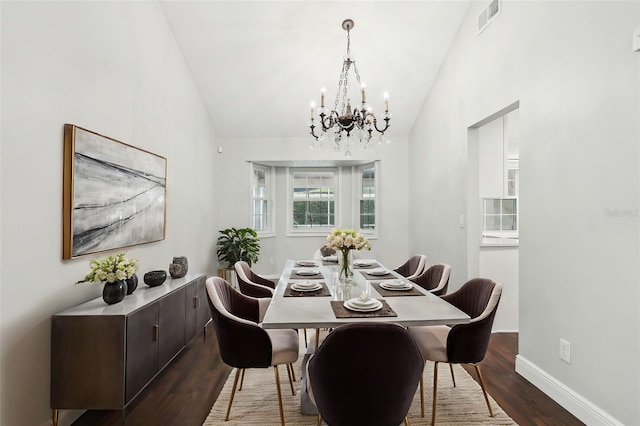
column 258, row 64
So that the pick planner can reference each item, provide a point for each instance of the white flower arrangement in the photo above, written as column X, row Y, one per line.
column 347, row 239
column 111, row 269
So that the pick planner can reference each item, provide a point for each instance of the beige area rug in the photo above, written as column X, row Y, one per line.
column 257, row 403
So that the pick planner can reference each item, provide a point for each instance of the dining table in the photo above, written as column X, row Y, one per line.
column 311, row 295
column 324, row 308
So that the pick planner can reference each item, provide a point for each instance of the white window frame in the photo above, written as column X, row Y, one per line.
column 270, row 190
column 357, row 190
column 320, row 230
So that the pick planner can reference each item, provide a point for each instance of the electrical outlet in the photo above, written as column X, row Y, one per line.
column 565, row 351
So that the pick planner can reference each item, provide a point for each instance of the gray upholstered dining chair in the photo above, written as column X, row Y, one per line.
column 435, row 279
column 243, row 343
column 365, row 374
column 413, row 267
column 462, row 343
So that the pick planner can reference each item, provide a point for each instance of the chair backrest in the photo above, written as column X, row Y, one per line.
column 435, row 279
column 252, row 284
column 243, row 344
column 413, row 267
column 365, row 374
column 478, row 298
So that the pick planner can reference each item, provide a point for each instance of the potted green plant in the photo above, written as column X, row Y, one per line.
column 238, row 244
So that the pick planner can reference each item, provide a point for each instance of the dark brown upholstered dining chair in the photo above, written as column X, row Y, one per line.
column 462, row 343
column 435, row 279
column 365, row 374
column 413, row 267
column 243, row 343
column 252, row 284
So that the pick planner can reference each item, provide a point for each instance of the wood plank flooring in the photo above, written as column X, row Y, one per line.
column 185, row 391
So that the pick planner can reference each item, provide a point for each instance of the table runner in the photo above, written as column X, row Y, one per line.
column 296, row 276
column 341, row 312
column 324, row 291
column 392, row 293
column 370, row 277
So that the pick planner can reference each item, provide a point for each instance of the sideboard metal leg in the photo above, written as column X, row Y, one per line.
column 54, row 417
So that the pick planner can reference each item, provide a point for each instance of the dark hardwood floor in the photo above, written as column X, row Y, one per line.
column 185, row 391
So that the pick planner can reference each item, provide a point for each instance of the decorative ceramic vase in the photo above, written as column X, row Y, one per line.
column 345, row 260
column 132, row 284
column 177, row 270
column 181, row 260
column 114, row 292
column 155, row 278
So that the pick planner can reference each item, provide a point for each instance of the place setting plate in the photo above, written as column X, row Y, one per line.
column 308, row 271
column 363, row 263
column 396, row 285
column 306, row 263
column 358, row 305
column 377, row 272
column 306, row 286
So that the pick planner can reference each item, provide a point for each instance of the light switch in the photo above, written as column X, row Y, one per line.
column 636, row 40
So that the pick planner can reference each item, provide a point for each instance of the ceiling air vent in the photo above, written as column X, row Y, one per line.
column 488, row 15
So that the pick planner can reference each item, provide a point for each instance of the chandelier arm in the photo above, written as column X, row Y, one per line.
column 386, row 124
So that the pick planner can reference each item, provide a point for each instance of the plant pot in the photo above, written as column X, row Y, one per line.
column 132, row 284
column 114, row 292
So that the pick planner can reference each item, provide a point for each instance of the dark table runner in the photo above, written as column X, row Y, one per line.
column 324, row 291
column 392, row 293
column 341, row 312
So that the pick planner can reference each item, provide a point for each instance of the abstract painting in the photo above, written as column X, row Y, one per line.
column 114, row 194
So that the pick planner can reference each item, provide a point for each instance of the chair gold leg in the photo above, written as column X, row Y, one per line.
column 319, row 419
column 54, row 417
column 275, row 368
column 305, row 337
column 233, row 392
column 422, row 394
column 241, row 379
column 484, row 390
column 435, row 391
column 452, row 375
column 289, row 372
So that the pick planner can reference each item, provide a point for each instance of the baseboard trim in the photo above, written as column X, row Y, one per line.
column 574, row 403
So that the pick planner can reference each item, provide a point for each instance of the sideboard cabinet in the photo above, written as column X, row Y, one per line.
column 102, row 355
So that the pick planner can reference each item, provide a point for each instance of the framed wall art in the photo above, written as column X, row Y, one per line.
column 114, row 194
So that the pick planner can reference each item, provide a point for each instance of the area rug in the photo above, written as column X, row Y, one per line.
column 257, row 402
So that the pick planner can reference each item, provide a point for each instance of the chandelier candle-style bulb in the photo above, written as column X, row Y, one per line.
column 386, row 101
column 313, row 108
column 344, row 124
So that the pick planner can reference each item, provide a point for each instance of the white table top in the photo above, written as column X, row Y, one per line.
column 316, row 312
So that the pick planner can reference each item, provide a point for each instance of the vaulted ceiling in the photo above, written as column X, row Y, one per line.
column 258, row 64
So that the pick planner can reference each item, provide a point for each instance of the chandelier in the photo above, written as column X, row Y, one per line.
column 345, row 125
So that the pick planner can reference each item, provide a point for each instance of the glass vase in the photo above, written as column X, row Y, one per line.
column 345, row 261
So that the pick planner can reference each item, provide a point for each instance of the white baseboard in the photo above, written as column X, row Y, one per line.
column 574, row 403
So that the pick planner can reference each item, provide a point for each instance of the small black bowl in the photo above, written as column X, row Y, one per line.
column 155, row 278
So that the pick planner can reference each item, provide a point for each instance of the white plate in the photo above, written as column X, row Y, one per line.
column 306, row 263
column 358, row 303
column 330, row 259
column 364, row 262
column 351, row 307
column 307, row 272
column 377, row 271
column 396, row 287
column 296, row 287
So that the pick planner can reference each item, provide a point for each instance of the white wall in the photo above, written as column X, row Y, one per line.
column 234, row 193
column 571, row 66
column 111, row 67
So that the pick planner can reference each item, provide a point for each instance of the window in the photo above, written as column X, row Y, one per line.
column 367, row 190
column 262, row 199
column 313, row 195
column 500, row 215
